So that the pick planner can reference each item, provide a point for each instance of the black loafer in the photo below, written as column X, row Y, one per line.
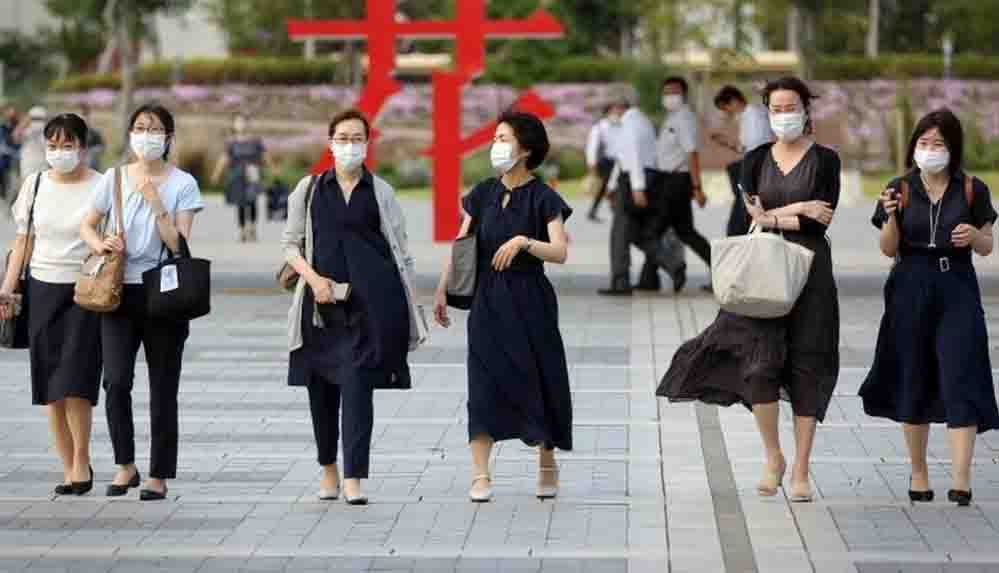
column 115, row 490
column 960, row 497
column 152, row 495
column 82, row 487
column 64, row 489
column 919, row 496
column 680, row 279
column 359, row 500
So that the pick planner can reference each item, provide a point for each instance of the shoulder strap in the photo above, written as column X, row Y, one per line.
column 34, row 199
column 969, row 190
column 116, row 202
column 903, row 195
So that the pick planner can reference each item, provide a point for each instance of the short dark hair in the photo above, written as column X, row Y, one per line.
column 347, row 116
column 950, row 129
column 727, row 95
column 68, row 125
column 791, row 83
column 678, row 81
column 161, row 113
column 531, row 135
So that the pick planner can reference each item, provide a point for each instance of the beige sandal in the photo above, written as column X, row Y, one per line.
column 801, row 492
column 770, row 483
column 481, row 494
column 547, row 491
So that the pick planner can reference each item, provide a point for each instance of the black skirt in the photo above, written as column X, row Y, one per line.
column 65, row 346
column 932, row 359
column 753, row 361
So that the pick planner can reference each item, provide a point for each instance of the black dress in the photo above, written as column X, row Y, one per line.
column 754, row 361
column 371, row 329
column 518, row 379
column 932, row 358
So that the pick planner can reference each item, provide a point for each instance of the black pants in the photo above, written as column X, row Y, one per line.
column 643, row 228
column 122, row 331
column 246, row 213
column 325, row 400
column 604, row 169
column 679, row 188
column 738, row 218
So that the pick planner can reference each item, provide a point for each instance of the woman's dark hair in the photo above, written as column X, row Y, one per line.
column 951, row 131
column 678, row 81
column 162, row 114
column 791, row 83
column 68, row 125
column 530, row 134
column 727, row 95
column 347, row 116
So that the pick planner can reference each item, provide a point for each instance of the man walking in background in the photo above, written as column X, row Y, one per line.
column 601, row 151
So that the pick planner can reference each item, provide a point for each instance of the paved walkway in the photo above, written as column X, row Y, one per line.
column 651, row 486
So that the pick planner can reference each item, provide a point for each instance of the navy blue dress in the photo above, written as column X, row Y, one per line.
column 932, row 358
column 367, row 337
column 518, row 380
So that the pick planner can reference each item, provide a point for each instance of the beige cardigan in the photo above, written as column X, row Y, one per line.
column 299, row 227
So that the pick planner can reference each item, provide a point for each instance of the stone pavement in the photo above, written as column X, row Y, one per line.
column 651, row 486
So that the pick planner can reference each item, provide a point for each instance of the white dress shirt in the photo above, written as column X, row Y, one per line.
column 636, row 149
column 677, row 139
column 602, row 141
column 754, row 127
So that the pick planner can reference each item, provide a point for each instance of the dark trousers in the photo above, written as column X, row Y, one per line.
column 643, row 229
column 356, row 397
column 122, row 331
column 738, row 217
column 246, row 213
column 679, row 192
column 604, row 169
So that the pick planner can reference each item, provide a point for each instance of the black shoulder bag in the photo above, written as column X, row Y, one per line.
column 14, row 331
column 180, row 287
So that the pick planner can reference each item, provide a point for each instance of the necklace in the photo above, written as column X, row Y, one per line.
column 934, row 221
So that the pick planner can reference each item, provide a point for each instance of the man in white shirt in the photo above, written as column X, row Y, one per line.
column 636, row 194
column 754, row 131
column 601, row 150
column 679, row 161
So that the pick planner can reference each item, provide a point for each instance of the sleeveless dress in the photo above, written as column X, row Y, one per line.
column 518, row 379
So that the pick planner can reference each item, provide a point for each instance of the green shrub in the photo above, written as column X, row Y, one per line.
column 900, row 66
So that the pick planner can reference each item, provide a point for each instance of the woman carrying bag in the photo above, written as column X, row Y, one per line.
column 794, row 184
column 932, row 359
column 353, row 319
column 64, row 339
column 158, row 203
column 518, row 378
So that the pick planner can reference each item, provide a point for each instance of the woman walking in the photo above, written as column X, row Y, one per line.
column 158, row 202
column 242, row 164
column 353, row 319
column 65, row 347
column 794, row 186
column 932, row 359
column 518, row 381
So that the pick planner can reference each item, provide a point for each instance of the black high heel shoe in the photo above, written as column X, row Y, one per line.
column 64, row 489
column 152, row 494
column 82, row 487
column 115, row 490
column 960, row 497
column 919, row 496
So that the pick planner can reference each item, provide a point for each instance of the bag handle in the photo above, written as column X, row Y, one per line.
column 116, row 203
column 183, row 250
column 26, row 257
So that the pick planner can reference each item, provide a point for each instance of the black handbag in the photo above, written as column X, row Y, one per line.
column 14, row 331
column 180, row 287
column 461, row 282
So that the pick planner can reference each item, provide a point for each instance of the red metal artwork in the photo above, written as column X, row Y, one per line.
column 469, row 29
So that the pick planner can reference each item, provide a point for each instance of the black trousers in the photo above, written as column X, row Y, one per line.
column 643, row 229
column 357, row 400
column 246, row 213
column 679, row 212
column 122, row 331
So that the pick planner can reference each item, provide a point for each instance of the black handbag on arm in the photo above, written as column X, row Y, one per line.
column 14, row 331
column 180, row 287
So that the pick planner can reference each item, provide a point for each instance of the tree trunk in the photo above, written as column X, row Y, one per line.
column 737, row 25
column 123, row 33
column 794, row 28
column 873, row 28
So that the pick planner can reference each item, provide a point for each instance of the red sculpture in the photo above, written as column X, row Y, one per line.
column 469, row 29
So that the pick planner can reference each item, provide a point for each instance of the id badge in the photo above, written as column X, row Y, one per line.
column 253, row 174
column 168, row 278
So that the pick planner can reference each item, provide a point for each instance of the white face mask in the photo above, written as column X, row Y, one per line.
column 62, row 161
column 672, row 102
column 148, row 146
column 501, row 157
column 349, row 156
column 788, row 126
column 931, row 161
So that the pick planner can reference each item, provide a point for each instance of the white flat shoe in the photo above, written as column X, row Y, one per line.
column 801, row 493
column 329, row 494
column 481, row 494
column 547, row 491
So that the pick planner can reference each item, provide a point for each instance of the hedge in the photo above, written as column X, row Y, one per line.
column 898, row 66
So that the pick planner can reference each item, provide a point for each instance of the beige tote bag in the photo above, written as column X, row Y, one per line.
column 759, row 275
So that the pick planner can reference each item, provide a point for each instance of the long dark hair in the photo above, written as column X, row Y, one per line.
column 791, row 83
column 161, row 113
column 950, row 129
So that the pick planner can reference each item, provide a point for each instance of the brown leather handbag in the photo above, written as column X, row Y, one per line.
column 287, row 277
column 102, row 277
